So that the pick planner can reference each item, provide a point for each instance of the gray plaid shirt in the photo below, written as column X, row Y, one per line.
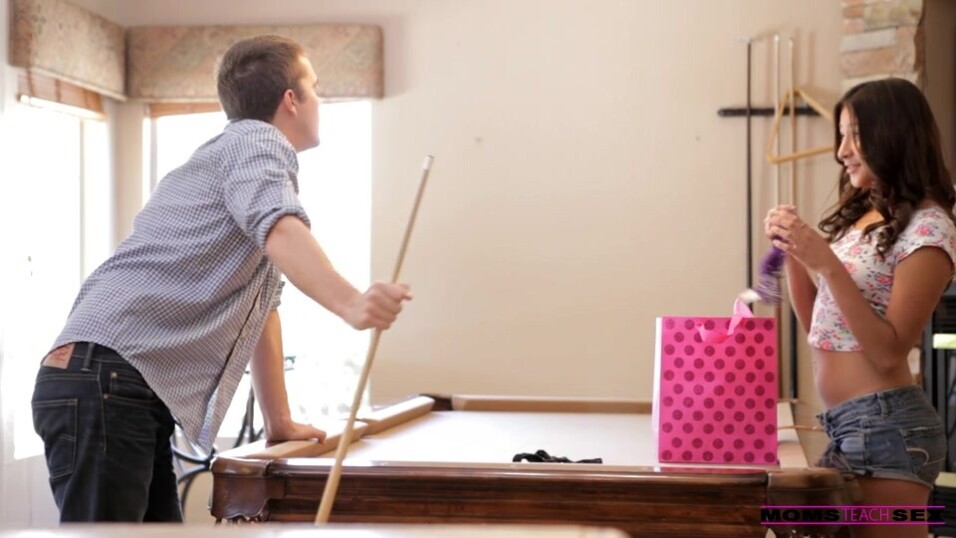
column 185, row 297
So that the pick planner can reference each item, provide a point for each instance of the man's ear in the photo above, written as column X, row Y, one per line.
column 289, row 102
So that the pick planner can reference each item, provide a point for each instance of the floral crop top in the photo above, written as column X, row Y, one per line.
column 929, row 227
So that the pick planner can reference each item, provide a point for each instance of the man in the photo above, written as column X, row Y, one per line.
column 166, row 326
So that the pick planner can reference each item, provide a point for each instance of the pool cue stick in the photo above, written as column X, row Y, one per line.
column 332, row 483
column 793, row 126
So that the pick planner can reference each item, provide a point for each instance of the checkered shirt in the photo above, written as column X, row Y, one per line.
column 185, row 297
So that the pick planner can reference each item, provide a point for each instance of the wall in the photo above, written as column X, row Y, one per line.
column 583, row 183
column 912, row 39
column 882, row 38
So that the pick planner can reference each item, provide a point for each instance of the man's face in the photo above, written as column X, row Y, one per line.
column 307, row 107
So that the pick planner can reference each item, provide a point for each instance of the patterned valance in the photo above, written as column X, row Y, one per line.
column 68, row 43
column 177, row 64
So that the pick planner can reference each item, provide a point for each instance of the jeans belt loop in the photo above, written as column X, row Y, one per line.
column 885, row 404
column 88, row 357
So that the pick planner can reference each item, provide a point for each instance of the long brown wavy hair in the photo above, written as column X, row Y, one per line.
column 900, row 142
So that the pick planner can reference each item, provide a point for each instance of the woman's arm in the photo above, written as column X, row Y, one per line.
column 918, row 283
column 803, row 291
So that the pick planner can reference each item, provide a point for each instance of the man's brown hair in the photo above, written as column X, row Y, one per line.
column 255, row 73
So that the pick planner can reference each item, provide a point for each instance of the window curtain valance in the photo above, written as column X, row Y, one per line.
column 177, row 64
column 69, row 43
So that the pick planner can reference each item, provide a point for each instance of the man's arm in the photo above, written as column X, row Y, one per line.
column 268, row 381
column 297, row 254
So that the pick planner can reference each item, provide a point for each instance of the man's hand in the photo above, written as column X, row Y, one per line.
column 377, row 307
column 294, row 431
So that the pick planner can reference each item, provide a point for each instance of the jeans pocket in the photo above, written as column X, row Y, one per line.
column 129, row 407
column 926, row 447
column 130, row 385
column 883, row 446
column 55, row 423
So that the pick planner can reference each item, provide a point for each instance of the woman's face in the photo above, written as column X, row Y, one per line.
column 849, row 152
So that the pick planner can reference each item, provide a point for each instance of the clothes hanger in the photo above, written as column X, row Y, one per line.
column 790, row 96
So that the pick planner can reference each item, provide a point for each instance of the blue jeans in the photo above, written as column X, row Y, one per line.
column 894, row 434
column 106, row 437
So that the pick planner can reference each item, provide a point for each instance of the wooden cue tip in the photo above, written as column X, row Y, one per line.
column 802, row 427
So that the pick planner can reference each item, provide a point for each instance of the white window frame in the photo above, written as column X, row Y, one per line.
column 92, row 231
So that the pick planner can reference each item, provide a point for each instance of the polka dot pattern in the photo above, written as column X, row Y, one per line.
column 716, row 400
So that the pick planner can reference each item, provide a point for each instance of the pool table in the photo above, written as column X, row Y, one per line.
column 448, row 459
column 335, row 530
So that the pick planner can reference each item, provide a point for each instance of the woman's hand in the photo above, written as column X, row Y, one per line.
column 799, row 240
column 774, row 214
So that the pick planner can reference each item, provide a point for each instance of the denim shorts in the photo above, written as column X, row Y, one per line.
column 893, row 434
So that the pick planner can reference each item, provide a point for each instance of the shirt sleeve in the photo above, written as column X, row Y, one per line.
column 260, row 184
column 930, row 230
column 277, row 296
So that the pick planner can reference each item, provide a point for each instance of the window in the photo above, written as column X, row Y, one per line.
column 335, row 189
column 55, row 197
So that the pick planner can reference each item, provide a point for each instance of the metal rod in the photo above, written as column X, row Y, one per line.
column 793, row 200
column 778, row 308
column 750, row 269
column 777, row 103
column 732, row 112
column 793, row 127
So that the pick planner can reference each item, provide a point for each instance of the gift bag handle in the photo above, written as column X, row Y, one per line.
column 716, row 336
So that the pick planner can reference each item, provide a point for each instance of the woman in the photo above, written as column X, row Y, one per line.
column 866, row 291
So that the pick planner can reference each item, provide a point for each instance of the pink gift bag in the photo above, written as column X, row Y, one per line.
column 715, row 389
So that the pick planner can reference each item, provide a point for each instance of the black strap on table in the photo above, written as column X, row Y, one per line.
column 543, row 457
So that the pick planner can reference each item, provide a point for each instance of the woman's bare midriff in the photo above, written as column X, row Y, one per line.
column 843, row 375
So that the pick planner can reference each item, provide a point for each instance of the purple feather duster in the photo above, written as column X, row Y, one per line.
column 768, row 283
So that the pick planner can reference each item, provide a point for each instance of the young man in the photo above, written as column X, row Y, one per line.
column 166, row 326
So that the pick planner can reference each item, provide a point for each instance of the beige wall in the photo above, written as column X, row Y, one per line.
column 583, row 183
